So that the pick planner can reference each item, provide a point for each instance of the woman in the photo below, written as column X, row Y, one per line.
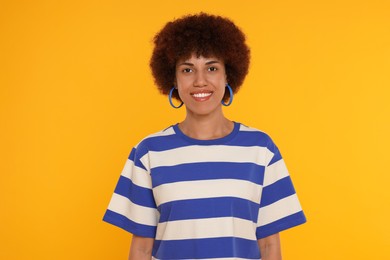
column 207, row 187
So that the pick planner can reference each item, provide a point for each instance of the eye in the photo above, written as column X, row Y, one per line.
column 212, row 69
column 187, row 70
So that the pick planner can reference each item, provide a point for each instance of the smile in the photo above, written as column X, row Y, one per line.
column 201, row 95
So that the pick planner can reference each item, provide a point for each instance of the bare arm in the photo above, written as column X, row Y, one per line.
column 141, row 248
column 270, row 247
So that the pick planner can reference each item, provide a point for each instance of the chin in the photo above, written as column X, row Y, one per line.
column 203, row 110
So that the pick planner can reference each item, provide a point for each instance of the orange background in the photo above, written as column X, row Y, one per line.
column 76, row 95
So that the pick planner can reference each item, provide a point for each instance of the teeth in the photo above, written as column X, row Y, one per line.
column 201, row 95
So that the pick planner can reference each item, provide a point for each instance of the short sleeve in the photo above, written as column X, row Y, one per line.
column 132, row 206
column 280, row 208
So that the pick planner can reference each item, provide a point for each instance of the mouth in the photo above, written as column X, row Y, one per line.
column 201, row 96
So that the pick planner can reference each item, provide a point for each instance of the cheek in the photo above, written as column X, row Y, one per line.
column 182, row 91
column 183, row 82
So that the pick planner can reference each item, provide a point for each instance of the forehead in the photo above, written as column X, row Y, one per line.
column 199, row 59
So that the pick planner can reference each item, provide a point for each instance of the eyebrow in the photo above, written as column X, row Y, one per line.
column 212, row 62
column 207, row 63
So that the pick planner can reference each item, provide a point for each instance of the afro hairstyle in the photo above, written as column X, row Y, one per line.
column 203, row 35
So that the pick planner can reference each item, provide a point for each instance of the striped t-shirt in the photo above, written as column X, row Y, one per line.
column 205, row 199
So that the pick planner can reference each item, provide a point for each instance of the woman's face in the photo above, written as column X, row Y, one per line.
column 201, row 83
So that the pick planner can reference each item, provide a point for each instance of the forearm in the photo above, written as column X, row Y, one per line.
column 270, row 248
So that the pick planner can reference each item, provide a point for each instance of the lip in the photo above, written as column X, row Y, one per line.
column 201, row 96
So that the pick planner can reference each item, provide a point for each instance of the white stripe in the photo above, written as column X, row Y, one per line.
column 137, row 175
column 211, row 153
column 275, row 172
column 134, row 212
column 145, row 161
column 206, row 228
column 268, row 156
column 249, row 129
column 280, row 209
column 207, row 189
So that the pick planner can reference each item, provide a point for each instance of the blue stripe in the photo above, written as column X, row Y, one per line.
column 280, row 225
column 276, row 191
column 135, row 157
column 138, row 195
column 163, row 143
column 207, row 171
column 206, row 248
column 132, row 154
column 139, row 164
column 277, row 156
column 128, row 225
column 167, row 142
column 209, row 208
column 250, row 138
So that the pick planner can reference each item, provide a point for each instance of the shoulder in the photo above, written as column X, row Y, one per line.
column 157, row 135
column 257, row 137
column 247, row 128
column 155, row 139
column 256, row 134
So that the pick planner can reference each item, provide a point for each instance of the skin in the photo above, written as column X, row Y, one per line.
column 270, row 247
column 201, row 84
column 141, row 248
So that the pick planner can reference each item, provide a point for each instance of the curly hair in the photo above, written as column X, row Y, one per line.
column 204, row 35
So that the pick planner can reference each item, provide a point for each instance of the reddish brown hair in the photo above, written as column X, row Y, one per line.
column 205, row 35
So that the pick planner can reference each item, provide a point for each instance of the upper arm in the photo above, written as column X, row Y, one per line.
column 270, row 240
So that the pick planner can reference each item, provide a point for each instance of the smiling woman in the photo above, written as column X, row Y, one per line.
column 207, row 187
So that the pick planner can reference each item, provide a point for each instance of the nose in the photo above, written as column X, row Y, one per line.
column 200, row 79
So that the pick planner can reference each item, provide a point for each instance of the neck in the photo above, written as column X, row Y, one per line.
column 206, row 127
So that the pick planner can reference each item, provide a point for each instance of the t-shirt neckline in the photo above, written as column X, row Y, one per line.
column 221, row 140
